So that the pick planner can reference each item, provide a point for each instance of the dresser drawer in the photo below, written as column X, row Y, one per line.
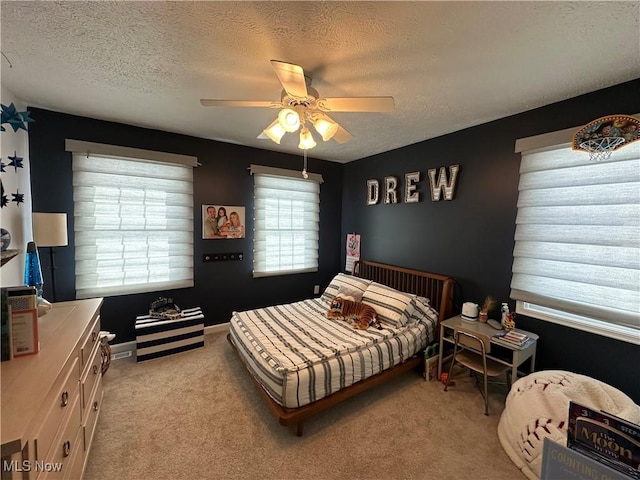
column 89, row 343
column 67, row 441
column 75, row 464
column 70, row 469
column 91, row 415
column 91, row 374
column 59, row 405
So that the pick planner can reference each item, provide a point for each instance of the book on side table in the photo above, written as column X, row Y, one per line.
column 513, row 339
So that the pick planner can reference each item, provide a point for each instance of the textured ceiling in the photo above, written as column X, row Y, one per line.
column 449, row 65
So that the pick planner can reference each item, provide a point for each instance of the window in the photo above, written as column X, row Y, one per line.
column 133, row 220
column 287, row 218
column 577, row 241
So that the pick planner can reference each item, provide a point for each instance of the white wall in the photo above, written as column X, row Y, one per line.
column 16, row 218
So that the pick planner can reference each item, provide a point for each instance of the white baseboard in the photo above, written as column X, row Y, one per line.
column 131, row 346
column 219, row 328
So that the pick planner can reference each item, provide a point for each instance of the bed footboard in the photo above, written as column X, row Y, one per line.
column 297, row 416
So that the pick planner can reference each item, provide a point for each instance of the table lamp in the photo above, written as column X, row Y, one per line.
column 50, row 230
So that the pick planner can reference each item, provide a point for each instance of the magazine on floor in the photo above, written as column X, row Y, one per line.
column 606, row 438
column 562, row 463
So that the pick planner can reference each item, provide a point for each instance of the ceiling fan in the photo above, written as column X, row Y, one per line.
column 301, row 104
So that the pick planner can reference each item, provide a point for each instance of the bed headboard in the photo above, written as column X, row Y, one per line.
column 437, row 288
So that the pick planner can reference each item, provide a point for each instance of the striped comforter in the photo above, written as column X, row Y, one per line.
column 300, row 356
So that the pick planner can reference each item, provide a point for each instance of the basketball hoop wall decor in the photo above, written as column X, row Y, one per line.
column 606, row 134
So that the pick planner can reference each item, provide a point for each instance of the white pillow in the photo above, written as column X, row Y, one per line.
column 350, row 294
column 392, row 306
column 425, row 314
column 347, row 285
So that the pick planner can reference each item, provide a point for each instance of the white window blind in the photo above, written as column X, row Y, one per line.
column 287, row 221
column 577, row 239
column 133, row 225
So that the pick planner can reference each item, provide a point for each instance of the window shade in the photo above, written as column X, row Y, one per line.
column 577, row 239
column 133, row 223
column 287, row 216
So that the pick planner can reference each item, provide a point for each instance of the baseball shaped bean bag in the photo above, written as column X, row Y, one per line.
column 538, row 406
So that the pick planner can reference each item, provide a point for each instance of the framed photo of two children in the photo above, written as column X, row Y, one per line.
column 222, row 221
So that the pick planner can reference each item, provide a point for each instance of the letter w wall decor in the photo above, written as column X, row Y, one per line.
column 442, row 186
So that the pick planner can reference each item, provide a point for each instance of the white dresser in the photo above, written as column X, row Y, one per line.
column 51, row 400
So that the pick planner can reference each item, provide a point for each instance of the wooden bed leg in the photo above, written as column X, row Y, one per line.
column 299, row 429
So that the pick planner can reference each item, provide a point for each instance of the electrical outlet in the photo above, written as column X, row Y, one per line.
column 316, row 289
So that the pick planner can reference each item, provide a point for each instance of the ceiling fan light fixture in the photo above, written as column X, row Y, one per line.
column 300, row 103
column 289, row 119
column 326, row 128
column 275, row 131
column 306, row 139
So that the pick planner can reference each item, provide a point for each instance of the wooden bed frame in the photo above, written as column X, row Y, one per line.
column 438, row 288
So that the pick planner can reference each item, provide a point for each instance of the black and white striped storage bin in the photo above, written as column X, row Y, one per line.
column 156, row 337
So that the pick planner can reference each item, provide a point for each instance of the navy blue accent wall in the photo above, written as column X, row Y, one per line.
column 223, row 178
column 471, row 238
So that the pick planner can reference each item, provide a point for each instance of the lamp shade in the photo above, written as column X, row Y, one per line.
column 289, row 120
column 306, row 139
column 325, row 128
column 50, row 229
column 274, row 131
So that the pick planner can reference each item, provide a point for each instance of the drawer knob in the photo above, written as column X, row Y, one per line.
column 66, row 448
column 95, row 369
column 94, row 336
column 64, row 399
column 95, row 406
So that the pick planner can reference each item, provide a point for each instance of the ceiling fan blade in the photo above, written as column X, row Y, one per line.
column 342, row 136
column 356, row 104
column 207, row 102
column 291, row 77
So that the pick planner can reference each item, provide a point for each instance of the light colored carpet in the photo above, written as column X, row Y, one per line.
column 197, row 415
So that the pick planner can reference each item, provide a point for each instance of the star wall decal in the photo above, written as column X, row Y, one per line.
column 5, row 200
column 16, row 119
column 26, row 118
column 2, row 165
column 16, row 161
column 18, row 197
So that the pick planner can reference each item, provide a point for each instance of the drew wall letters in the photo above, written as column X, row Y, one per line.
column 439, row 187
